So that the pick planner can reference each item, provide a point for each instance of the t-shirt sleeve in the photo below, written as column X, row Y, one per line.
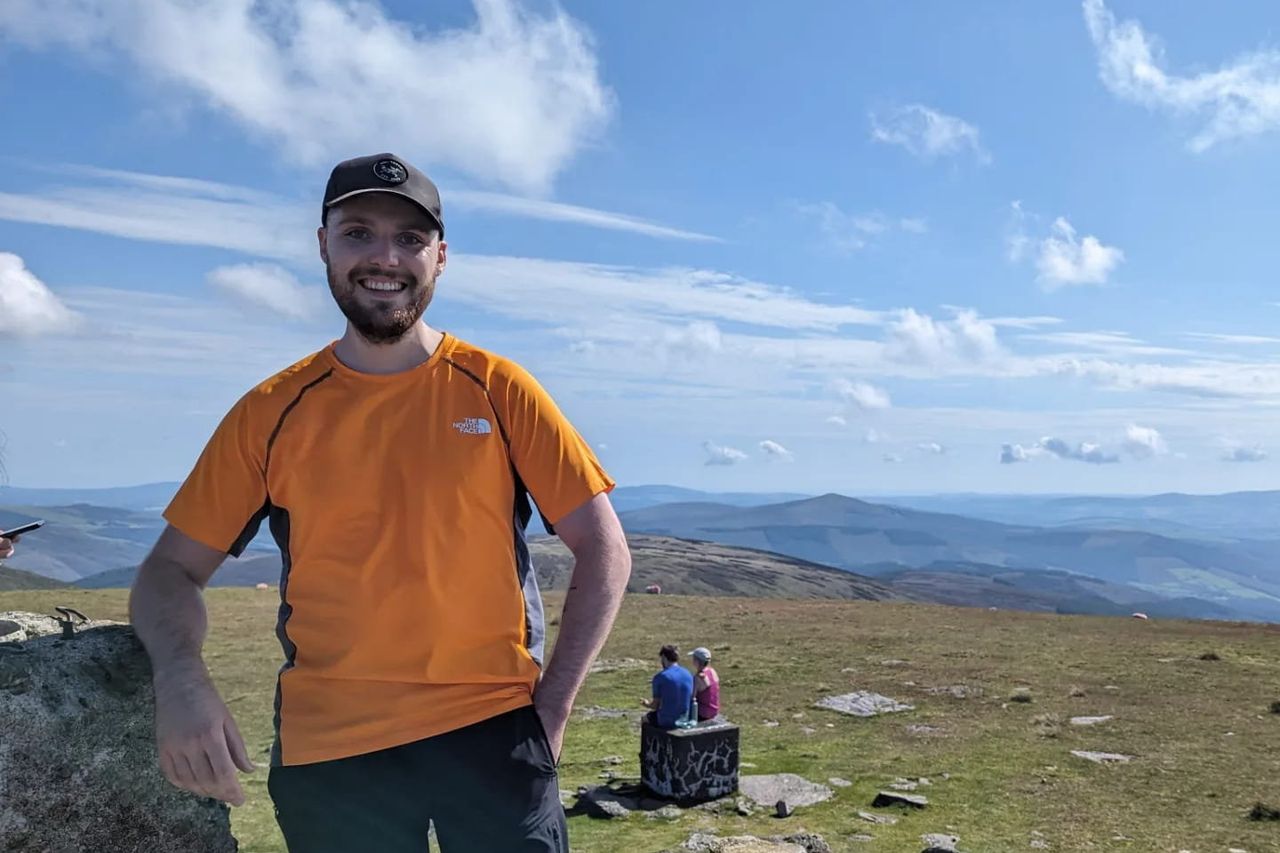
column 224, row 498
column 556, row 464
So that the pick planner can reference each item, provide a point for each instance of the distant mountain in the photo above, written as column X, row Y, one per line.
column 11, row 579
column 81, row 540
column 628, row 498
column 1237, row 515
column 852, row 534
column 251, row 569
column 149, row 496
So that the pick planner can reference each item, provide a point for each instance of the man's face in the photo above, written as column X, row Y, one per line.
column 382, row 255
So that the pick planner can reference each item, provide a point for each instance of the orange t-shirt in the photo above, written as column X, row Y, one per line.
column 408, row 604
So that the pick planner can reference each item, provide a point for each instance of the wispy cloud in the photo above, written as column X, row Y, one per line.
column 721, row 455
column 27, row 306
column 931, row 448
column 774, row 450
column 847, row 232
column 1243, row 340
column 927, row 133
column 512, row 96
column 271, row 287
column 1238, row 100
column 191, row 211
column 837, row 420
column 554, row 211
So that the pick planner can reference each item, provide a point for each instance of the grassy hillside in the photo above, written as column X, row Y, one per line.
column 1200, row 731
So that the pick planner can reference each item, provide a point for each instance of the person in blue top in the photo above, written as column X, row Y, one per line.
column 672, row 691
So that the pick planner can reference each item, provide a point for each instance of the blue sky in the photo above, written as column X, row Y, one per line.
column 998, row 247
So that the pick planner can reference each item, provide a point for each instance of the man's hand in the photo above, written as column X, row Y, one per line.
column 200, row 746
column 6, row 547
column 555, row 717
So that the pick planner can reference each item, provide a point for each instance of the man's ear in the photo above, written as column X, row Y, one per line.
column 324, row 249
column 442, row 256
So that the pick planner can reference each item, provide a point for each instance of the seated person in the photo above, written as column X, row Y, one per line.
column 672, row 692
column 706, row 685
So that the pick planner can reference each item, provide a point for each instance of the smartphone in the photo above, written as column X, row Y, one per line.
column 21, row 529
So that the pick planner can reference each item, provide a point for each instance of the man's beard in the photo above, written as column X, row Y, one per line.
column 380, row 323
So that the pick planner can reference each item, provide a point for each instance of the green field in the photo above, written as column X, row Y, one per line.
column 1202, row 734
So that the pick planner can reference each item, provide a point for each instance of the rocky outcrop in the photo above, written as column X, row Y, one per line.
column 78, row 768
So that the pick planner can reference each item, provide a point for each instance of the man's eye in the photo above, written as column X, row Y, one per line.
column 411, row 239
column 357, row 233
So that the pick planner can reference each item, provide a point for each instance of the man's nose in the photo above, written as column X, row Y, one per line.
column 383, row 254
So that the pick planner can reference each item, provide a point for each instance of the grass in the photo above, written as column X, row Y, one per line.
column 1201, row 731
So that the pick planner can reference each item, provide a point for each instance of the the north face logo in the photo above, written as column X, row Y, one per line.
column 473, row 426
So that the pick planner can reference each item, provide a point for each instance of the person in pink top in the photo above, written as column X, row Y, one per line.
column 706, row 685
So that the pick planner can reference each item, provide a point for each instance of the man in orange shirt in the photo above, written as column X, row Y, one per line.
column 394, row 468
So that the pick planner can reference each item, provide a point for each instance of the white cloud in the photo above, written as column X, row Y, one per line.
column 720, row 455
column 510, row 97
column 931, row 448
column 1065, row 260
column 1238, row 100
column 27, row 306
column 846, row 232
column 1144, row 442
column 927, row 133
column 837, row 420
column 864, row 395
column 773, row 450
column 1245, row 454
column 872, row 436
column 268, row 286
column 1011, row 454
column 697, row 338
column 891, row 458
column 918, row 338
column 1082, row 452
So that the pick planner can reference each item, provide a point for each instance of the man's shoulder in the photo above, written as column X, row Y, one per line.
column 283, row 387
column 486, row 365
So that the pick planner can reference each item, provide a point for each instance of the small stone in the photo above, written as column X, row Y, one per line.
column 893, row 798
column 847, row 670
column 1090, row 721
column 808, row 729
column 747, row 764
column 1111, row 687
column 670, row 812
column 612, row 809
column 838, row 782
column 798, row 716
column 770, row 724
column 782, row 809
column 861, row 837
column 940, row 841
column 1102, row 757
column 893, row 662
column 1262, row 811
column 903, row 785
column 923, row 730
column 743, row 807
column 884, row 819
column 1039, row 844
column 611, row 760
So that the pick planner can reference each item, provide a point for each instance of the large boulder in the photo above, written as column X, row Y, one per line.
column 78, row 768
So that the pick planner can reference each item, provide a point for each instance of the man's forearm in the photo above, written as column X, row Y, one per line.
column 596, row 588
column 167, row 610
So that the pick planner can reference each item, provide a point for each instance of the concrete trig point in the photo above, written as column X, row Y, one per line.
column 690, row 765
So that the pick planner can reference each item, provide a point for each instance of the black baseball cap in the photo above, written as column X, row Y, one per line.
column 383, row 173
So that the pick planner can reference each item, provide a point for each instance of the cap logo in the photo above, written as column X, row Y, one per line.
column 390, row 171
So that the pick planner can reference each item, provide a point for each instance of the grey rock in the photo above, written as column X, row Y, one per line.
column 957, row 691
column 766, row 790
column 885, row 819
column 701, row 842
column 782, row 809
column 903, row 785
column 743, row 807
column 940, row 841
column 1090, row 721
column 838, row 782
column 78, row 768
column 668, row 812
column 923, row 730
column 810, row 842
column 1102, row 757
column 611, row 760
column 861, row 837
column 863, row 703
column 603, row 802
column 894, row 798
